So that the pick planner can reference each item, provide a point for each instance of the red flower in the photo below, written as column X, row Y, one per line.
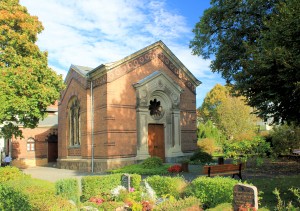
column 175, row 169
column 96, row 200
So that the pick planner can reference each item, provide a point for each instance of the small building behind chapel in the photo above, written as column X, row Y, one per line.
column 123, row 112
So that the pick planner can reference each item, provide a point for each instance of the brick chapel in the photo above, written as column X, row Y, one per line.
column 123, row 112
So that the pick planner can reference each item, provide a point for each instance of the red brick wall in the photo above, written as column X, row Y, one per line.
column 40, row 135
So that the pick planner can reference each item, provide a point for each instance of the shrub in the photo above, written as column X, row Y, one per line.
column 99, row 185
column 247, row 148
column 212, row 191
column 152, row 162
column 201, row 156
column 68, row 188
column 285, row 138
column 11, row 173
column 181, row 204
column 173, row 186
column 9, row 197
column 31, row 194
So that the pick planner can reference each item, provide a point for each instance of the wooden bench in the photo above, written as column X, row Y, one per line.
column 224, row 169
column 296, row 151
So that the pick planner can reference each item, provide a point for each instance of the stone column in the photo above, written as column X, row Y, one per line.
column 142, row 133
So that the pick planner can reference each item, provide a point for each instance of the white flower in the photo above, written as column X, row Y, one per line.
column 116, row 191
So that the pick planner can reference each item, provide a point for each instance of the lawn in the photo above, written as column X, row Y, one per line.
column 282, row 183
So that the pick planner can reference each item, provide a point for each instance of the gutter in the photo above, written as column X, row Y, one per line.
column 92, row 126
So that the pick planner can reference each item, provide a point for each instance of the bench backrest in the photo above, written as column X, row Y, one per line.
column 296, row 151
column 223, row 168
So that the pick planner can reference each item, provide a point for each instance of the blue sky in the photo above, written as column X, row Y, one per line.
column 94, row 32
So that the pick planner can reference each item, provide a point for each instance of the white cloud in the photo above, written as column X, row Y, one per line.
column 93, row 32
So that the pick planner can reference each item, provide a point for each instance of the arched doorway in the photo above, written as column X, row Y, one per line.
column 52, row 148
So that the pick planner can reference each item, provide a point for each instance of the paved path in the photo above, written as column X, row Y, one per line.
column 53, row 174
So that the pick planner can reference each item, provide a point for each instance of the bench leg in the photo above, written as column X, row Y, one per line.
column 239, row 174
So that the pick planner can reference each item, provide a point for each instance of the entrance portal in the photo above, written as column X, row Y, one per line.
column 52, row 148
column 156, row 143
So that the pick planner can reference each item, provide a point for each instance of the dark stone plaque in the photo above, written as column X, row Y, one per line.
column 245, row 196
column 125, row 181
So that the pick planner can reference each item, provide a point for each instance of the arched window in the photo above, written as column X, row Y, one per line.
column 74, row 122
column 30, row 144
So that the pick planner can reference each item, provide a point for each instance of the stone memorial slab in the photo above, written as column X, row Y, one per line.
column 125, row 181
column 245, row 196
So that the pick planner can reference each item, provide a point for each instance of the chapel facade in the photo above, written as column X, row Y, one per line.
column 123, row 112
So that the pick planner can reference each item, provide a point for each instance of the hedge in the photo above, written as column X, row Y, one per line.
column 97, row 185
column 31, row 194
column 68, row 189
column 212, row 191
column 163, row 185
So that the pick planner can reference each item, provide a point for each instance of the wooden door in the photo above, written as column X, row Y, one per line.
column 156, row 142
column 52, row 148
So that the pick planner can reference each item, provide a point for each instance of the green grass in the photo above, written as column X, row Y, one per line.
column 268, row 185
column 139, row 169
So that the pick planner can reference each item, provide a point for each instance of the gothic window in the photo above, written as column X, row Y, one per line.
column 155, row 108
column 74, row 122
column 30, row 144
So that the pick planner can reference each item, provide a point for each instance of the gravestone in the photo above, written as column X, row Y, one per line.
column 245, row 196
column 125, row 181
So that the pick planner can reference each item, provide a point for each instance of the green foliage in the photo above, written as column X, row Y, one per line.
column 180, row 204
column 207, row 145
column 36, row 195
column 12, row 173
column 135, row 181
column 139, row 169
column 225, row 116
column 243, row 150
column 285, row 138
column 223, row 207
column 209, row 130
column 255, row 45
column 98, row 185
column 200, row 156
column 163, row 185
column 11, row 199
column 27, row 85
column 152, row 162
column 212, row 191
column 109, row 205
column 266, row 187
column 282, row 206
column 68, row 189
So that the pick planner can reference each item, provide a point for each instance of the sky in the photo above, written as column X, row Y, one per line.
column 94, row 32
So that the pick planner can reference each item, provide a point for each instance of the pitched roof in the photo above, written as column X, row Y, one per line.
column 103, row 68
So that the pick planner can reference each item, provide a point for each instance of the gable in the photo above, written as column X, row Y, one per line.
column 106, row 73
column 158, row 81
column 110, row 72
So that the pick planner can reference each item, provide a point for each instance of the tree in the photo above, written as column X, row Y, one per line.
column 27, row 85
column 256, row 48
column 230, row 114
column 213, row 99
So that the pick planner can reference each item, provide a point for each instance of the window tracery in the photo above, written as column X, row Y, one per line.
column 74, row 122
